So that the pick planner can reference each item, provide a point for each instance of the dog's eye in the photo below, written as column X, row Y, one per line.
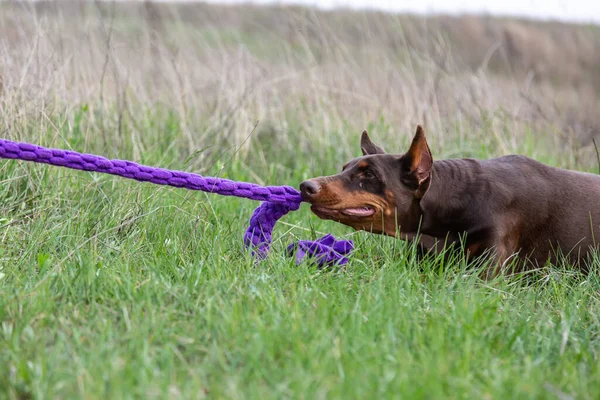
column 368, row 175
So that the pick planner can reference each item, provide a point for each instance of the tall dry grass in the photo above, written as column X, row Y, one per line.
column 310, row 79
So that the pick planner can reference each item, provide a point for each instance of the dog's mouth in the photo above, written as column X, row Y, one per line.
column 360, row 212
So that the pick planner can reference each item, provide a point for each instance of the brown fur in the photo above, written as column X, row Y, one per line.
column 509, row 207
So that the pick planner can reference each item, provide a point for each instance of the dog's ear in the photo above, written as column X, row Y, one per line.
column 417, row 163
column 368, row 147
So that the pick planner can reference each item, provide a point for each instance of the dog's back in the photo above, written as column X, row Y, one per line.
column 546, row 210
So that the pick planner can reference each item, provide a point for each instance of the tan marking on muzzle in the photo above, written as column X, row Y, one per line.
column 334, row 196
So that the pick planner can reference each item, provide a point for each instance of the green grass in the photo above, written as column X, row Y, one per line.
column 115, row 289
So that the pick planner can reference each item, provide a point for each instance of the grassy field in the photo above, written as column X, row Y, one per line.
column 115, row 289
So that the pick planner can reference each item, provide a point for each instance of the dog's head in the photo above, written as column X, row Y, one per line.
column 377, row 192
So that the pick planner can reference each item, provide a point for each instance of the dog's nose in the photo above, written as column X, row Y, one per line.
column 309, row 188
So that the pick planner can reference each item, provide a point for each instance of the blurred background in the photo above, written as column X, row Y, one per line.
column 291, row 84
column 574, row 11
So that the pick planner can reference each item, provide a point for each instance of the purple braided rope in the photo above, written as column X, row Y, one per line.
column 277, row 200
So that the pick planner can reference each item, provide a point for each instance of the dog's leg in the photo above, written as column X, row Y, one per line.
column 425, row 244
column 430, row 245
column 503, row 251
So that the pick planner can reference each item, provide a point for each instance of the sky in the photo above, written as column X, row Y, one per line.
column 566, row 10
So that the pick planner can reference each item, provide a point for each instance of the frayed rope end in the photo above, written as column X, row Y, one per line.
column 325, row 251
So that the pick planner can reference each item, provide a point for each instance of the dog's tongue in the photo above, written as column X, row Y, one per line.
column 361, row 211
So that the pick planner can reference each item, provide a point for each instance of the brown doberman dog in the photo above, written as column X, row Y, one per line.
column 505, row 207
